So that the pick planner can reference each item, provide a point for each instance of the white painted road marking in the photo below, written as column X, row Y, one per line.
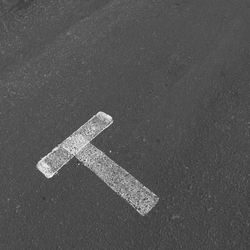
column 50, row 164
column 117, row 178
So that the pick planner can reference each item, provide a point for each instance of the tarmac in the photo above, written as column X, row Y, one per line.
column 175, row 77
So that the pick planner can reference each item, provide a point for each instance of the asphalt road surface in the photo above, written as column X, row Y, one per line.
column 175, row 77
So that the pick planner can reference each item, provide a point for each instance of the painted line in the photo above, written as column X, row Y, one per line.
column 118, row 179
column 50, row 164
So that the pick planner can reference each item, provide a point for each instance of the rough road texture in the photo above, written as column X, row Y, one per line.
column 174, row 75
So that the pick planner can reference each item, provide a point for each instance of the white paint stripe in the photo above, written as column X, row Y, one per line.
column 50, row 164
column 118, row 179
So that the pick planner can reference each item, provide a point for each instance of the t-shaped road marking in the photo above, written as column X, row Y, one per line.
column 78, row 145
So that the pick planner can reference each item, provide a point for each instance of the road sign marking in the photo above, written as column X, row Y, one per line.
column 50, row 164
column 117, row 178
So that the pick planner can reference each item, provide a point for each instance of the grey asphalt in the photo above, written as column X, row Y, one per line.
column 175, row 77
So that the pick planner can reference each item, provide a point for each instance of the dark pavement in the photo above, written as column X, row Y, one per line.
column 175, row 77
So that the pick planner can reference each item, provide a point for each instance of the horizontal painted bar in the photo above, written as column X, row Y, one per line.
column 50, row 164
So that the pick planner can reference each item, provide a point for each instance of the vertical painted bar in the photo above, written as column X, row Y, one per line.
column 118, row 179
